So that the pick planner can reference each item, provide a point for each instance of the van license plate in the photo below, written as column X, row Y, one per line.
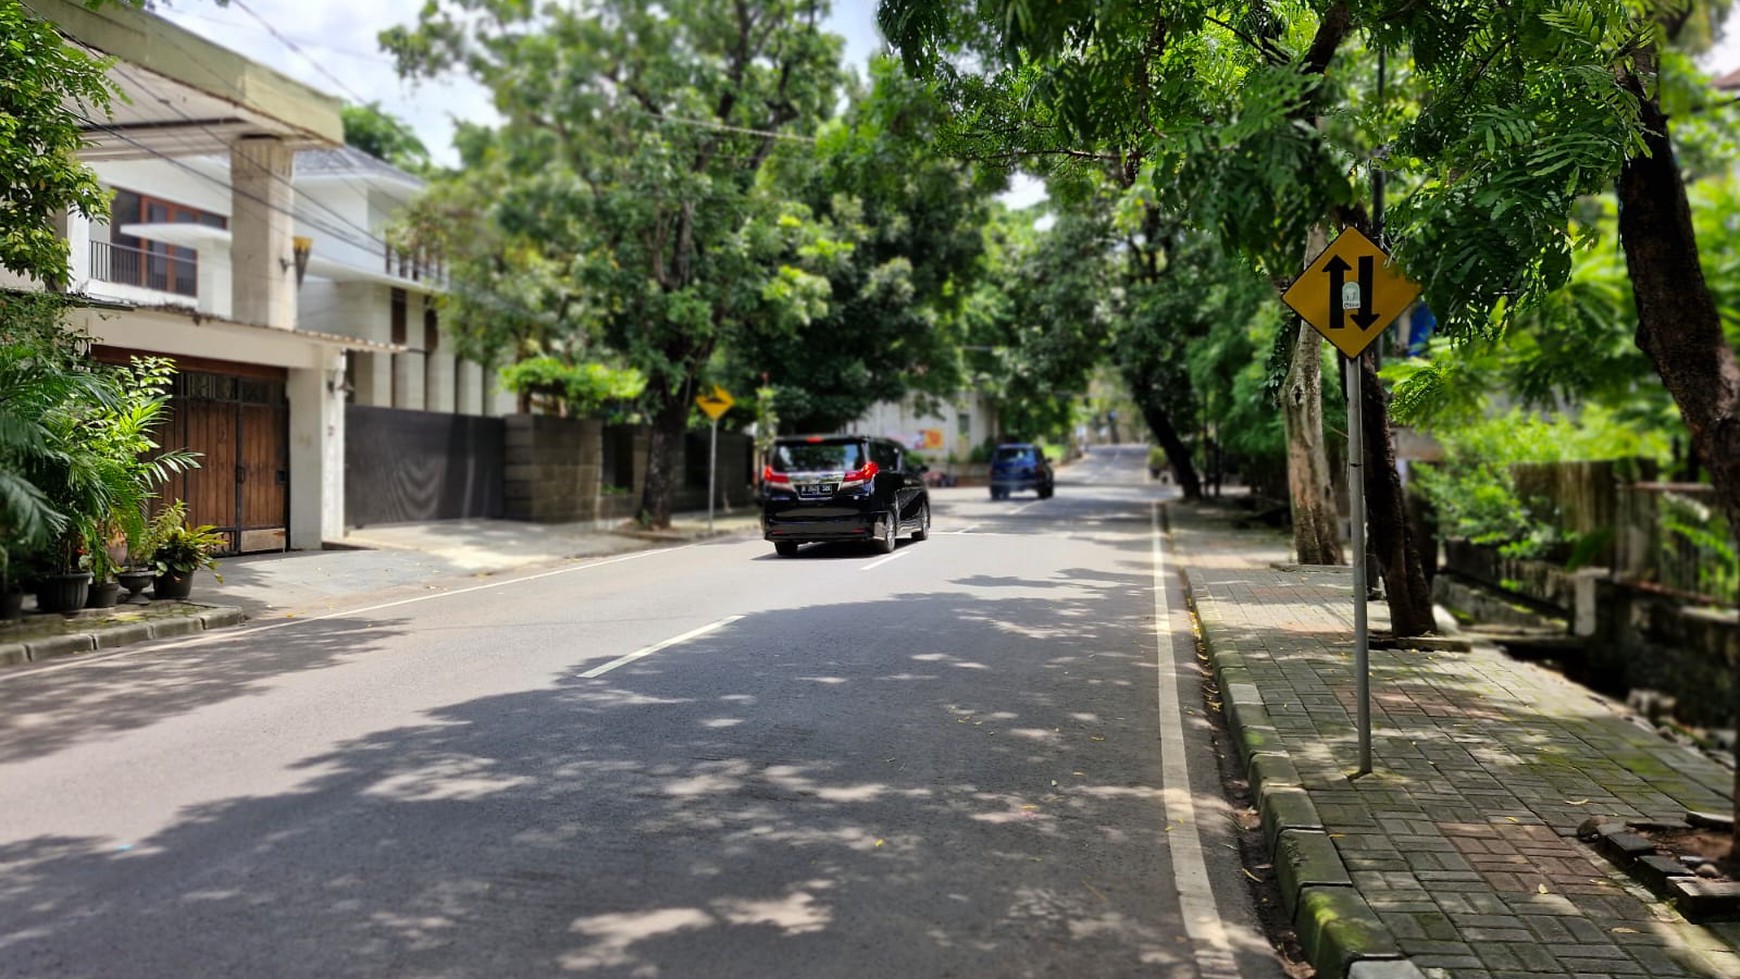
column 816, row 489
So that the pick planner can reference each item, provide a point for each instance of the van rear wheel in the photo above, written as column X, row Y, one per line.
column 890, row 533
column 785, row 548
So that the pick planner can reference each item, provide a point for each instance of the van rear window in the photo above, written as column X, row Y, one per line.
column 1013, row 453
column 802, row 457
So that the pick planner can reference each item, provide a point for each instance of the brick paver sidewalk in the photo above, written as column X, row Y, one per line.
column 1462, row 842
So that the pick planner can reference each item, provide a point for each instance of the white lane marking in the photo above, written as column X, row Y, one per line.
column 879, row 562
column 248, row 631
column 1195, row 892
column 1024, row 506
column 644, row 652
column 969, row 528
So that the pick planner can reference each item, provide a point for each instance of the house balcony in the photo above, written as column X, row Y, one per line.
column 148, row 268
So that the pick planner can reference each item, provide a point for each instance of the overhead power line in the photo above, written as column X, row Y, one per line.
column 293, row 46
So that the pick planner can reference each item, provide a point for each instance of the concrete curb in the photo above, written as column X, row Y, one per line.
column 113, row 635
column 1340, row 933
column 1698, row 899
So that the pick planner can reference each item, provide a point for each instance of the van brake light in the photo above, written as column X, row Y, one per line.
column 859, row 477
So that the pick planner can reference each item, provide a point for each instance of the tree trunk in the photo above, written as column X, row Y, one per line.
column 1316, row 537
column 1392, row 536
column 1677, row 322
column 1177, row 453
column 670, row 422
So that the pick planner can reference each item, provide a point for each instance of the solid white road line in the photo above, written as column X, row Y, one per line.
column 598, row 671
column 1189, row 868
column 879, row 562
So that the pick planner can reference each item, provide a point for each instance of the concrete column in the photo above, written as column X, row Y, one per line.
column 497, row 402
column 468, row 389
column 216, row 281
column 438, row 386
column 262, row 258
column 374, row 378
column 76, row 229
column 317, row 452
column 408, row 375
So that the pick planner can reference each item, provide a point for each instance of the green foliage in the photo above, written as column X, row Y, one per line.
column 78, row 452
column 384, row 136
column 575, row 390
column 46, row 85
column 627, row 197
column 885, row 247
column 766, row 422
column 1690, row 525
column 1475, row 494
column 176, row 548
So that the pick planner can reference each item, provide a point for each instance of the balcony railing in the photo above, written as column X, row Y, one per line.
column 158, row 270
column 415, row 266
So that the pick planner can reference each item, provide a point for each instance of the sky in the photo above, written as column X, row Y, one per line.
column 330, row 45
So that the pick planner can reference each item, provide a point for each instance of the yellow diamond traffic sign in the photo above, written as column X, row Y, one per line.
column 1351, row 292
column 715, row 404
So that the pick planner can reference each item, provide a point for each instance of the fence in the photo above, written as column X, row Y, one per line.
column 1670, row 537
column 1674, row 536
column 141, row 267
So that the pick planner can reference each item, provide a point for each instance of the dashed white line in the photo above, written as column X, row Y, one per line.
column 879, row 562
column 646, row 651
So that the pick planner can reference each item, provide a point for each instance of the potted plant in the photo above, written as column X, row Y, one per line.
column 102, row 561
column 181, row 550
column 11, row 596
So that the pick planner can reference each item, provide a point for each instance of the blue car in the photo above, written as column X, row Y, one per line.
column 1018, row 467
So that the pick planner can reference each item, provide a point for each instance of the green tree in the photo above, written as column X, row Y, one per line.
column 1170, row 103
column 893, row 231
column 633, row 156
column 1036, row 329
column 46, row 85
column 384, row 136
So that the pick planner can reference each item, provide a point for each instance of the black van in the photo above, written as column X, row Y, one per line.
column 841, row 488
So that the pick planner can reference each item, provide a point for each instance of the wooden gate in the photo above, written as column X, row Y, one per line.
column 241, row 426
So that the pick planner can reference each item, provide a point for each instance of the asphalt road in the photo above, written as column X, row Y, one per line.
column 983, row 755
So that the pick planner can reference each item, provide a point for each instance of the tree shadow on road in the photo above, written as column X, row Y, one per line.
column 777, row 797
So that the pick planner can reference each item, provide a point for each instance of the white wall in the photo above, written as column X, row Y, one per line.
column 316, row 397
column 902, row 421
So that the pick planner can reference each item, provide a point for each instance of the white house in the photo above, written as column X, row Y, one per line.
column 245, row 241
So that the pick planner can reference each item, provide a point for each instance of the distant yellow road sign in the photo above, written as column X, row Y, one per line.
column 716, row 403
column 1351, row 310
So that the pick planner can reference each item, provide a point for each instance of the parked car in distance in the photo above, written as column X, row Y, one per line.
column 842, row 488
column 1020, row 466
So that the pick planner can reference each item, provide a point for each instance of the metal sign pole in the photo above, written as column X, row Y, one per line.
column 1356, row 504
column 712, row 475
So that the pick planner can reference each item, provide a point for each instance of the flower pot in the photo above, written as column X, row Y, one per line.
column 63, row 592
column 172, row 585
column 103, row 594
column 11, row 605
column 136, row 582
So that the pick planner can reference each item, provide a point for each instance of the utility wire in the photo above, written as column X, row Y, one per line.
column 293, row 46
column 368, row 235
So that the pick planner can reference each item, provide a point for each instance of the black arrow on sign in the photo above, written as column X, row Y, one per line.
column 1337, row 270
column 1365, row 317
